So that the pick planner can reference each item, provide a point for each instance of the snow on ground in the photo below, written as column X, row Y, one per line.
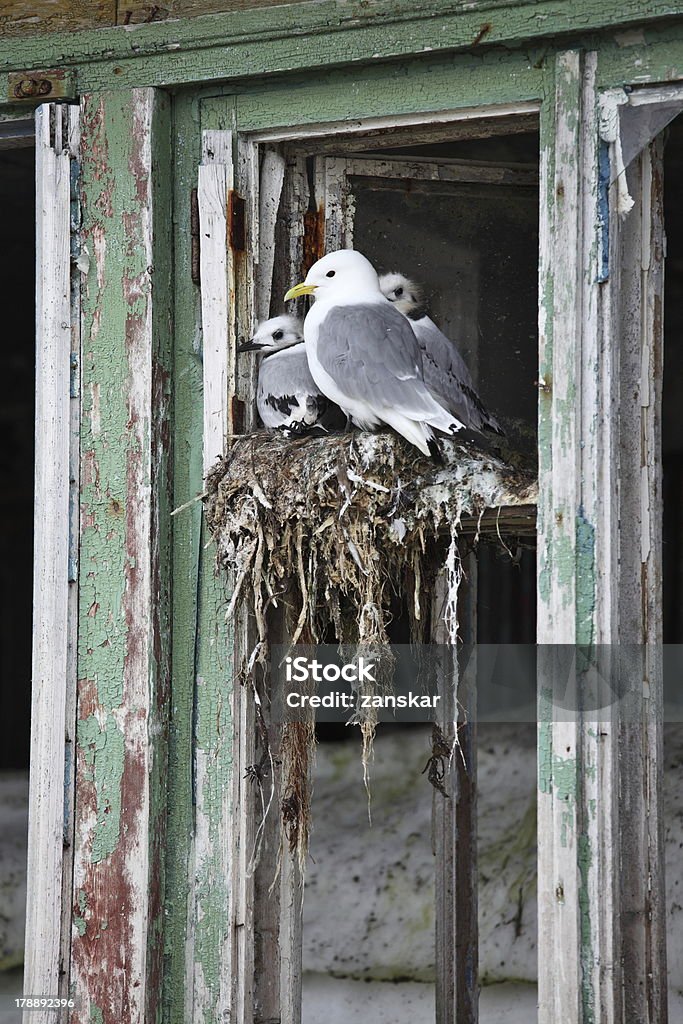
column 369, row 907
column 342, row 1001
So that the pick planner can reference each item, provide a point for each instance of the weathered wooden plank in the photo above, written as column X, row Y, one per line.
column 271, row 184
column 195, row 623
column 288, row 28
column 563, row 899
column 211, row 932
column 245, row 254
column 600, row 850
column 443, row 169
column 53, row 607
column 74, row 552
column 133, row 12
column 454, row 817
column 637, row 301
column 417, row 130
column 51, row 16
column 216, row 179
column 123, row 666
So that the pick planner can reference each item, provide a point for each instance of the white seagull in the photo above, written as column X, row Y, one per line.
column 287, row 398
column 363, row 354
column 445, row 371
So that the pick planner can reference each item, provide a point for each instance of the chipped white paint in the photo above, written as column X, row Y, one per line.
column 638, row 322
column 244, row 268
column 272, row 180
column 572, row 344
column 600, row 879
column 53, row 624
column 216, row 178
column 333, row 195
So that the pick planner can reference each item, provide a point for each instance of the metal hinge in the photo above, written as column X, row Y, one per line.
column 38, row 86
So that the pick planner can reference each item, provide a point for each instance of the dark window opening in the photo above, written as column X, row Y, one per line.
column 17, row 242
column 369, row 913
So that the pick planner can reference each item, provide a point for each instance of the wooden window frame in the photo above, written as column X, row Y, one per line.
column 580, row 324
column 56, row 547
column 569, row 206
column 601, row 880
column 230, row 160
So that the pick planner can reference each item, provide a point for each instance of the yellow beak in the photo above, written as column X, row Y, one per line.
column 300, row 289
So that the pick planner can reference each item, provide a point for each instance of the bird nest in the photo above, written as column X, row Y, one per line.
column 339, row 534
column 339, row 525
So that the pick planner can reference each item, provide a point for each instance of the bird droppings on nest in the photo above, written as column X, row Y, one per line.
column 332, row 529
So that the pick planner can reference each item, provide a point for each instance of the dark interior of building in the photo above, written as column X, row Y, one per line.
column 17, row 231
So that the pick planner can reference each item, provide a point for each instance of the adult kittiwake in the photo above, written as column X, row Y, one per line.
column 287, row 398
column 445, row 371
column 363, row 354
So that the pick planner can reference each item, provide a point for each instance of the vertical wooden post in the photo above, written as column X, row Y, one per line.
column 455, row 823
column 54, row 597
column 217, row 272
column 637, row 327
column 598, row 564
column 124, row 628
column 220, row 923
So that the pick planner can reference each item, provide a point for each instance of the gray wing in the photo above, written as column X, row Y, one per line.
column 372, row 354
column 288, row 397
column 446, row 375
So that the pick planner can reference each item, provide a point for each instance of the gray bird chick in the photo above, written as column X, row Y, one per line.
column 287, row 398
column 445, row 371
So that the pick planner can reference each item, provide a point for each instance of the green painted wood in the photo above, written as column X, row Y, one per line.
column 124, row 583
column 187, row 484
column 430, row 83
column 199, row 884
column 316, row 35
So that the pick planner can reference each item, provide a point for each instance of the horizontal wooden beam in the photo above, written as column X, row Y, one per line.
column 307, row 35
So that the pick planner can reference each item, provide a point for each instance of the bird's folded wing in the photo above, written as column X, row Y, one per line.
column 447, row 375
column 371, row 353
column 286, row 389
column 442, row 352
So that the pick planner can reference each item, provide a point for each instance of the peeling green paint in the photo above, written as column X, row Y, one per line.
column 96, row 1015
column 125, row 544
column 104, row 751
column 403, row 82
column 202, row 652
column 285, row 38
column 545, row 744
column 213, row 741
column 585, row 580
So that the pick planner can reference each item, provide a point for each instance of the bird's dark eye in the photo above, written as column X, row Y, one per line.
column 277, row 335
column 398, row 292
column 330, row 273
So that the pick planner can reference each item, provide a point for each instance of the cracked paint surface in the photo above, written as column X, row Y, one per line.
column 121, row 661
